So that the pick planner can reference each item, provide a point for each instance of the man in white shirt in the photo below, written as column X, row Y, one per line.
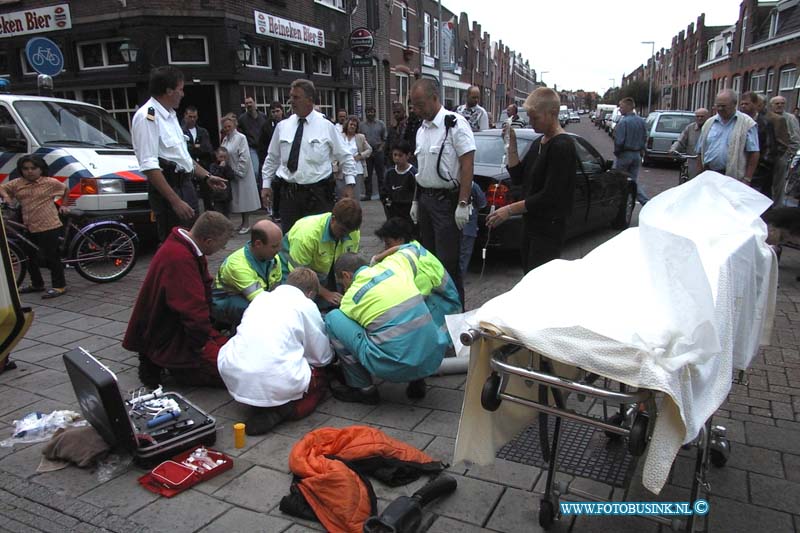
column 300, row 155
column 476, row 116
column 445, row 151
column 274, row 361
column 163, row 156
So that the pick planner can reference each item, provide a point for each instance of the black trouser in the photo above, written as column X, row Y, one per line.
column 48, row 256
column 298, row 201
column 438, row 231
column 374, row 164
column 166, row 219
column 542, row 242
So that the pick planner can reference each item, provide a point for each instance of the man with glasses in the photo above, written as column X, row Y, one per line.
column 687, row 142
column 728, row 141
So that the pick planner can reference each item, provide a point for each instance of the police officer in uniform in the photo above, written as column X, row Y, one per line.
column 163, row 156
column 300, row 155
column 445, row 151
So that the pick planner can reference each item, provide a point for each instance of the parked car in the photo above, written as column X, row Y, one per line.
column 574, row 116
column 663, row 129
column 603, row 196
column 563, row 117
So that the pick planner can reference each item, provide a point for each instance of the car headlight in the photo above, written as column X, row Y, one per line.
column 102, row 186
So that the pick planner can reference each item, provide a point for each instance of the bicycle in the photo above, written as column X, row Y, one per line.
column 683, row 173
column 100, row 250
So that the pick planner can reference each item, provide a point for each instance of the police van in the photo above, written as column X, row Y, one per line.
column 84, row 146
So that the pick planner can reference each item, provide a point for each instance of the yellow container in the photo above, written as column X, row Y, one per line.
column 238, row 435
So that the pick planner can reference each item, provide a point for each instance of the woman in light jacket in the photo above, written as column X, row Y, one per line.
column 360, row 149
column 243, row 188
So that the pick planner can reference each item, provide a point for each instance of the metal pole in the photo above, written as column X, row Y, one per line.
column 441, row 55
column 652, row 72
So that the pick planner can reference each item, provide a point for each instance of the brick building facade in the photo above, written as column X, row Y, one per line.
column 759, row 52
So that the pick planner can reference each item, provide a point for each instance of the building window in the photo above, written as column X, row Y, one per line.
column 187, row 50
column 322, row 65
column 743, row 35
column 402, row 89
column 773, row 23
column 404, row 24
column 788, row 79
column 262, row 95
column 736, row 84
column 261, row 56
column 426, row 36
column 100, row 54
column 436, row 38
column 4, row 65
column 757, row 82
column 293, row 60
column 335, row 4
column 477, row 60
column 119, row 101
column 770, row 82
column 285, row 99
column 326, row 99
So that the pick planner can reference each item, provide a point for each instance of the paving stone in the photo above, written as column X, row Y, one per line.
column 259, row 489
column 23, row 462
column 780, row 439
column 121, row 316
column 87, row 322
column 122, row 495
column 766, row 413
column 37, row 353
column 775, row 493
column 92, row 343
column 225, row 438
column 272, row 451
column 441, row 449
column 298, row 428
column 453, row 381
column 107, row 310
column 760, row 420
column 71, row 481
column 732, row 515
column 792, row 464
column 62, row 393
column 507, row 473
column 352, row 411
column 756, row 459
column 240, row 466
column 297, row 528
column 746, row 400
column 208, row 399
column 64, row 338
column 417, row 440
column 615, row 524
column 518, row 512
column 60, row 317
column 189, row 512
column 233, row 410
column 443, row 399
column 397, row 416
column 788, row 424
column 12, row 399
column 472, row 502
column 42, row 380
column 448, row 525
column 734, row 428
column 115, row 352
column 44, row 405
column 111, row 329
column 442, row 423
column 243, row 520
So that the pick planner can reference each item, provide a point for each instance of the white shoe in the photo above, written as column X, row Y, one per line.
column 244, row 230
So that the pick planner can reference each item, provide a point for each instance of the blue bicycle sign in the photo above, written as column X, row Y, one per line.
column 44, row 56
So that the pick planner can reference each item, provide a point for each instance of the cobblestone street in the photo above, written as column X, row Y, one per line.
column 758, row 490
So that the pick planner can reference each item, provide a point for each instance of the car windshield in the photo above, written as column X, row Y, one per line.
column 673, row 123
column 71, row 124
column 489, row 150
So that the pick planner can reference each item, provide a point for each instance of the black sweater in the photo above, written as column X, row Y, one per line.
column 547, row 177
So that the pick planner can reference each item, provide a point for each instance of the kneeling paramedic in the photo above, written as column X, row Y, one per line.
column 383, row 328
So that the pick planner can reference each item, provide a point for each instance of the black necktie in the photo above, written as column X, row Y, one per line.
column 294, row 154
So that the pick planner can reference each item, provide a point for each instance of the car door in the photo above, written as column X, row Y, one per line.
column 581, row 200
column 14, row 318
column 591, row 171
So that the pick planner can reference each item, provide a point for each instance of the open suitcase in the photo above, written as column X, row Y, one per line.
column 102, row 404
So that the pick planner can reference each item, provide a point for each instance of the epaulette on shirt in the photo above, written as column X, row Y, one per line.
column 151, row 113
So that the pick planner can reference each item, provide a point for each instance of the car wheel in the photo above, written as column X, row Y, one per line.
column 625, row 214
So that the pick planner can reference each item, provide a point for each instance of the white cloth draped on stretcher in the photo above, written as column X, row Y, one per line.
column 674, row 305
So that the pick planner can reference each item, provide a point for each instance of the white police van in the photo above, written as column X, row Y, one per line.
column 84, row 146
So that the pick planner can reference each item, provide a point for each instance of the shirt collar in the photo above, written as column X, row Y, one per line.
column 719, row 118
column 327, row 236
column 311, row 117
column 163, row 111
column 438, row 120
column 185, row 234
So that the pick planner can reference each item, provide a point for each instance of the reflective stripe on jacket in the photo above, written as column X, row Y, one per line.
column 309, row 243
column 241, row 273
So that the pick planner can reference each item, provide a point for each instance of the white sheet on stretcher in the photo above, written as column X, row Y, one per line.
column 674, row 305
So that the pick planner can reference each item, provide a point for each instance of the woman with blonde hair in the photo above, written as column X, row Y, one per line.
column 244, row 191
column 361, row 150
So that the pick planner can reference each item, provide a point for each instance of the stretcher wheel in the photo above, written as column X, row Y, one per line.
column 615, row 420
column 637, row 440
column 547, row 513
column 719, row 452
column 490, row 395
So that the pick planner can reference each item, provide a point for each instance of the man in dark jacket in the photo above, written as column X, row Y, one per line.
column 251, row 124
column 170, row 327
column 200, row 148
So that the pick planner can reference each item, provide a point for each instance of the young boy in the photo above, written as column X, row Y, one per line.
column 221, row 200
column 399, row 183
column 35, row 192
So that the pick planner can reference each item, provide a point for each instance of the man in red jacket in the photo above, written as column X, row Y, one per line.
column 170, row 326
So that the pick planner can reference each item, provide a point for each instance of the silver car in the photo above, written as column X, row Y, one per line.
column 663, row 129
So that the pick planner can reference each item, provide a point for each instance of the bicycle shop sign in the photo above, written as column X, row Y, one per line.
column 36, row 20
column 288, row 30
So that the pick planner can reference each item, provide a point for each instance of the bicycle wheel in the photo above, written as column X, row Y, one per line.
column 105, row 253
column 19, row 261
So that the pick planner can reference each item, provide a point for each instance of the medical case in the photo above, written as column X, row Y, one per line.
column 102, row 404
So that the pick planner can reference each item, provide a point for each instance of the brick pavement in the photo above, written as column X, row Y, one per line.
column 758, row 489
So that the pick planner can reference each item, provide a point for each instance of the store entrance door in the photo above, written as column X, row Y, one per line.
column 204, row 98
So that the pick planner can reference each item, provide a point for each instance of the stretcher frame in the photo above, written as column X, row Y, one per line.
column 633, row 421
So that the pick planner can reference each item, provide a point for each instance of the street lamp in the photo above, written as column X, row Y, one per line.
column 129, row 52
column 652, row 72
column 244, row 53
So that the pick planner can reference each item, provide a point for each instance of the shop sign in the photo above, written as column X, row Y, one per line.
column 288, row 30
column 361, row 42
column 37, row 20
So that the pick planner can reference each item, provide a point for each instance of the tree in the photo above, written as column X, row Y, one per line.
column 638, row 91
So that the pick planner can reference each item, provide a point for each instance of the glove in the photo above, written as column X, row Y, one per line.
column 462, row 215
column 413, row 212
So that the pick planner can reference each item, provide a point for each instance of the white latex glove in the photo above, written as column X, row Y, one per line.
column 462, row 215
column 413, row 211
